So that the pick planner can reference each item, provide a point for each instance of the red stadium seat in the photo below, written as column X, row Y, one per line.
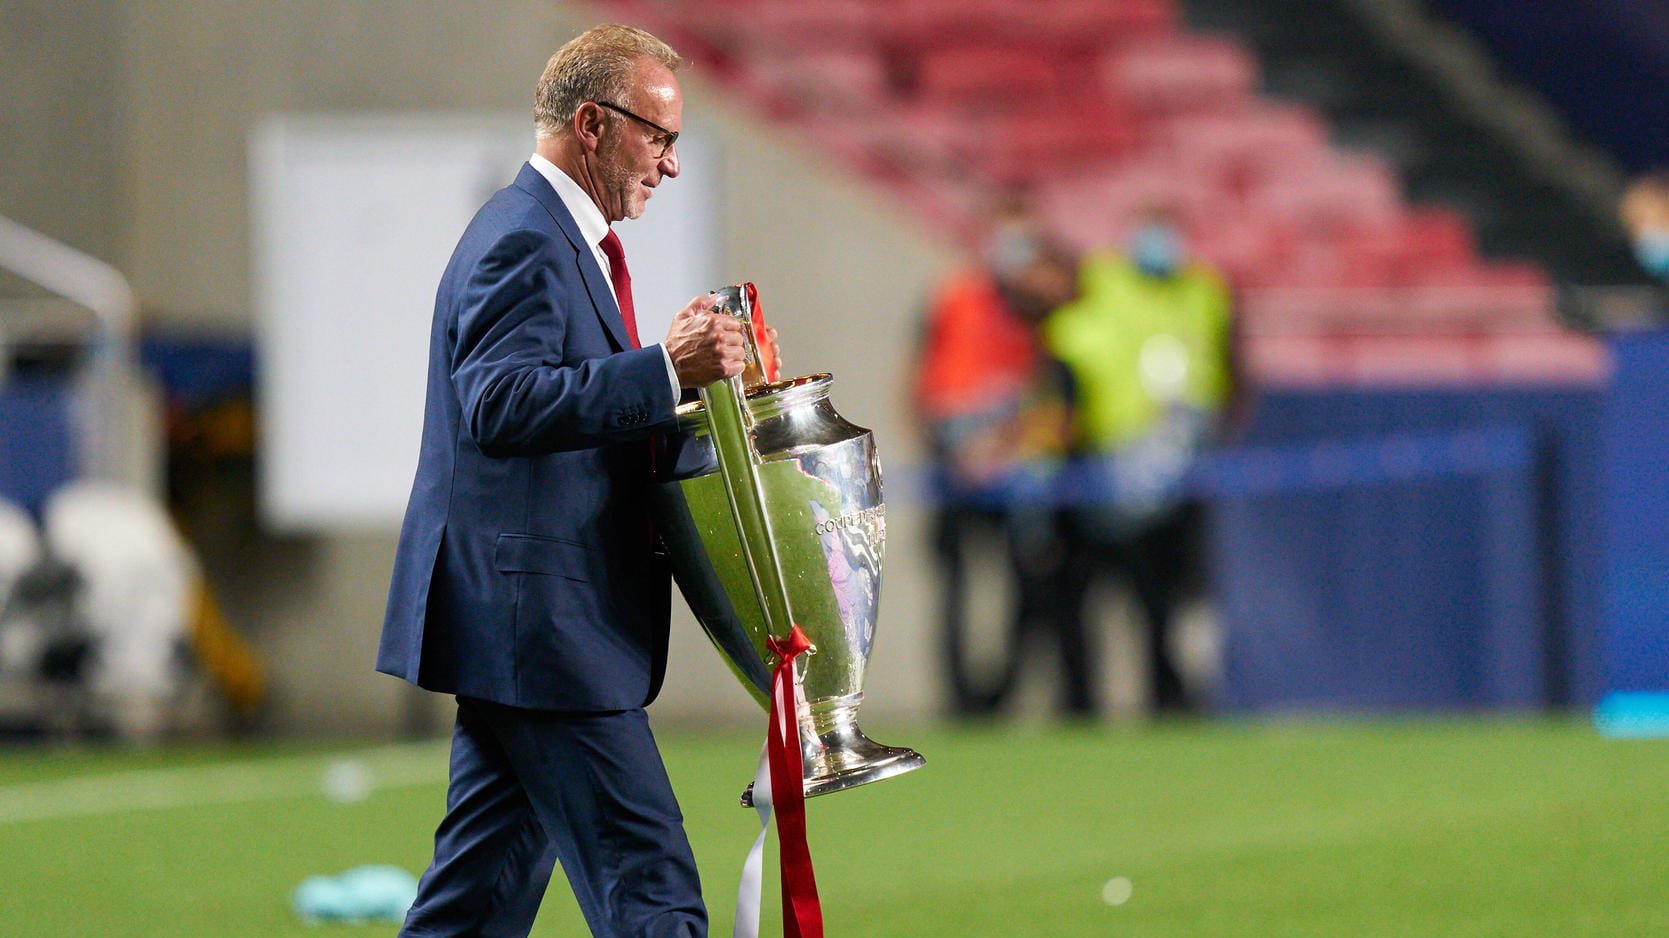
column 1412, row 359
column 1100, row 22
column 1037, row 144
column 1057, row 26
column 1501, row 274
column 1314, row 262
column 1294, row 360
column 1181, row 73
column 934, row 146
column 1319, row 310
column 1545, row 357
column 989, row 77
column 1436, row 239
column 1246, row 250
column 1240, row 145
column 1480, row 307
column 1082, row 230
column 1366, row 310
column 1097, row 208
column 816, row 25
column 1411, row 245
column 837, row 80
column 1327, row 195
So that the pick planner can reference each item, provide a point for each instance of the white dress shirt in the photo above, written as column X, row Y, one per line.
column 593, row 228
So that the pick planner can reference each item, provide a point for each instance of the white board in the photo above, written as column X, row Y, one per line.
column 353, row 219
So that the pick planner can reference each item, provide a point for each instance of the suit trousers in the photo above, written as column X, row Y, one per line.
column 532, row 788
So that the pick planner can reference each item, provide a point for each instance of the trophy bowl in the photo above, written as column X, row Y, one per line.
column 769, row 503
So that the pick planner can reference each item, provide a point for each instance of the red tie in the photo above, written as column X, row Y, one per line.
column 622, row 279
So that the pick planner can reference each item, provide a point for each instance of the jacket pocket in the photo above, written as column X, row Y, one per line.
column 529, row 553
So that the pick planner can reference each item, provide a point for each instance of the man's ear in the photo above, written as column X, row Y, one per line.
column 588, row 125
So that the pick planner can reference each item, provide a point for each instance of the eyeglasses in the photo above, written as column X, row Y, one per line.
column 666, row 138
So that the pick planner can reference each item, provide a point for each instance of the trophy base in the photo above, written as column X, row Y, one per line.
column 843, row 757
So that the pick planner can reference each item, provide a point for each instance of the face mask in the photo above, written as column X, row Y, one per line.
column 1651, row 248
column 1156, row 250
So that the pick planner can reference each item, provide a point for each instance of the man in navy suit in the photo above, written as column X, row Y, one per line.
column 526, row 582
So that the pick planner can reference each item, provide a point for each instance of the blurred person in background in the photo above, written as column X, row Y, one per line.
column 994, row 409
column 1645, row 213
column 526, row 581
column 1149, row 343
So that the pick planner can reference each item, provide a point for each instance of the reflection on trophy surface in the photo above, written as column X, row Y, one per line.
column 770, row 505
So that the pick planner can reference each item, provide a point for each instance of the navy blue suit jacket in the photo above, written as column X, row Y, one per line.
column 525, row 573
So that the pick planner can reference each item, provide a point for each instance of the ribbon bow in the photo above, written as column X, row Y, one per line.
column 802, row 913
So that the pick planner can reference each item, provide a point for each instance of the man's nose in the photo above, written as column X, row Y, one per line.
column 669, row 161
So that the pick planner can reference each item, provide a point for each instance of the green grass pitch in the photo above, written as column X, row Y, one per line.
column 1449, row 828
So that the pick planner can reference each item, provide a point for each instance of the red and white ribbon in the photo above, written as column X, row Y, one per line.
column 778, row 789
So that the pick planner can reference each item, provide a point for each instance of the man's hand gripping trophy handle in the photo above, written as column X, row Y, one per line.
column 708, row 347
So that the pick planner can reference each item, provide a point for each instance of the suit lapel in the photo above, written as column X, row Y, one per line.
column 602, row 298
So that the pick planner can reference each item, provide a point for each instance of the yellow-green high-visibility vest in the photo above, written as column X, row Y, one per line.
column 1126, row 324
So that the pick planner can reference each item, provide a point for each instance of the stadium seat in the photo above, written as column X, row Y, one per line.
column 990, row 77
column 1239, row 145
column 1294, row 360
column 1551, row 356
column 1318, row 262
column 140, row 581
column 1245, row 248
column 1084, row 226
column 936, row 143
column 1080, row 27
column 1313, row 310
column 1095, row 208
column 823, row 24
column 1479, row 308
column 1039, row 144
column 1411, row 360
column 1437, row 239
column 1138, row 184
column 822, row 80
column 1328, row 194
column 1180, row 74
column 1502, row 274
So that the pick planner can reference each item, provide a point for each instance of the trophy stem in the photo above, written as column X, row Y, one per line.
column 836, row 754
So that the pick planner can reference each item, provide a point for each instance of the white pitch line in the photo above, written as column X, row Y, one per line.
column 395, row 766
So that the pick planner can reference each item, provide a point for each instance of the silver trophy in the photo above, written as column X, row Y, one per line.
column 770, row 506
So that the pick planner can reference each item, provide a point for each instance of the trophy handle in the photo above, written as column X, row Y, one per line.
column 731, row 426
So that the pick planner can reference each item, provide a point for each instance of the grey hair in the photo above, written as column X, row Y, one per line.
column 597, row 65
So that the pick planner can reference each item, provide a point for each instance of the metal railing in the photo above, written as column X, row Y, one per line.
column 116, row 409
